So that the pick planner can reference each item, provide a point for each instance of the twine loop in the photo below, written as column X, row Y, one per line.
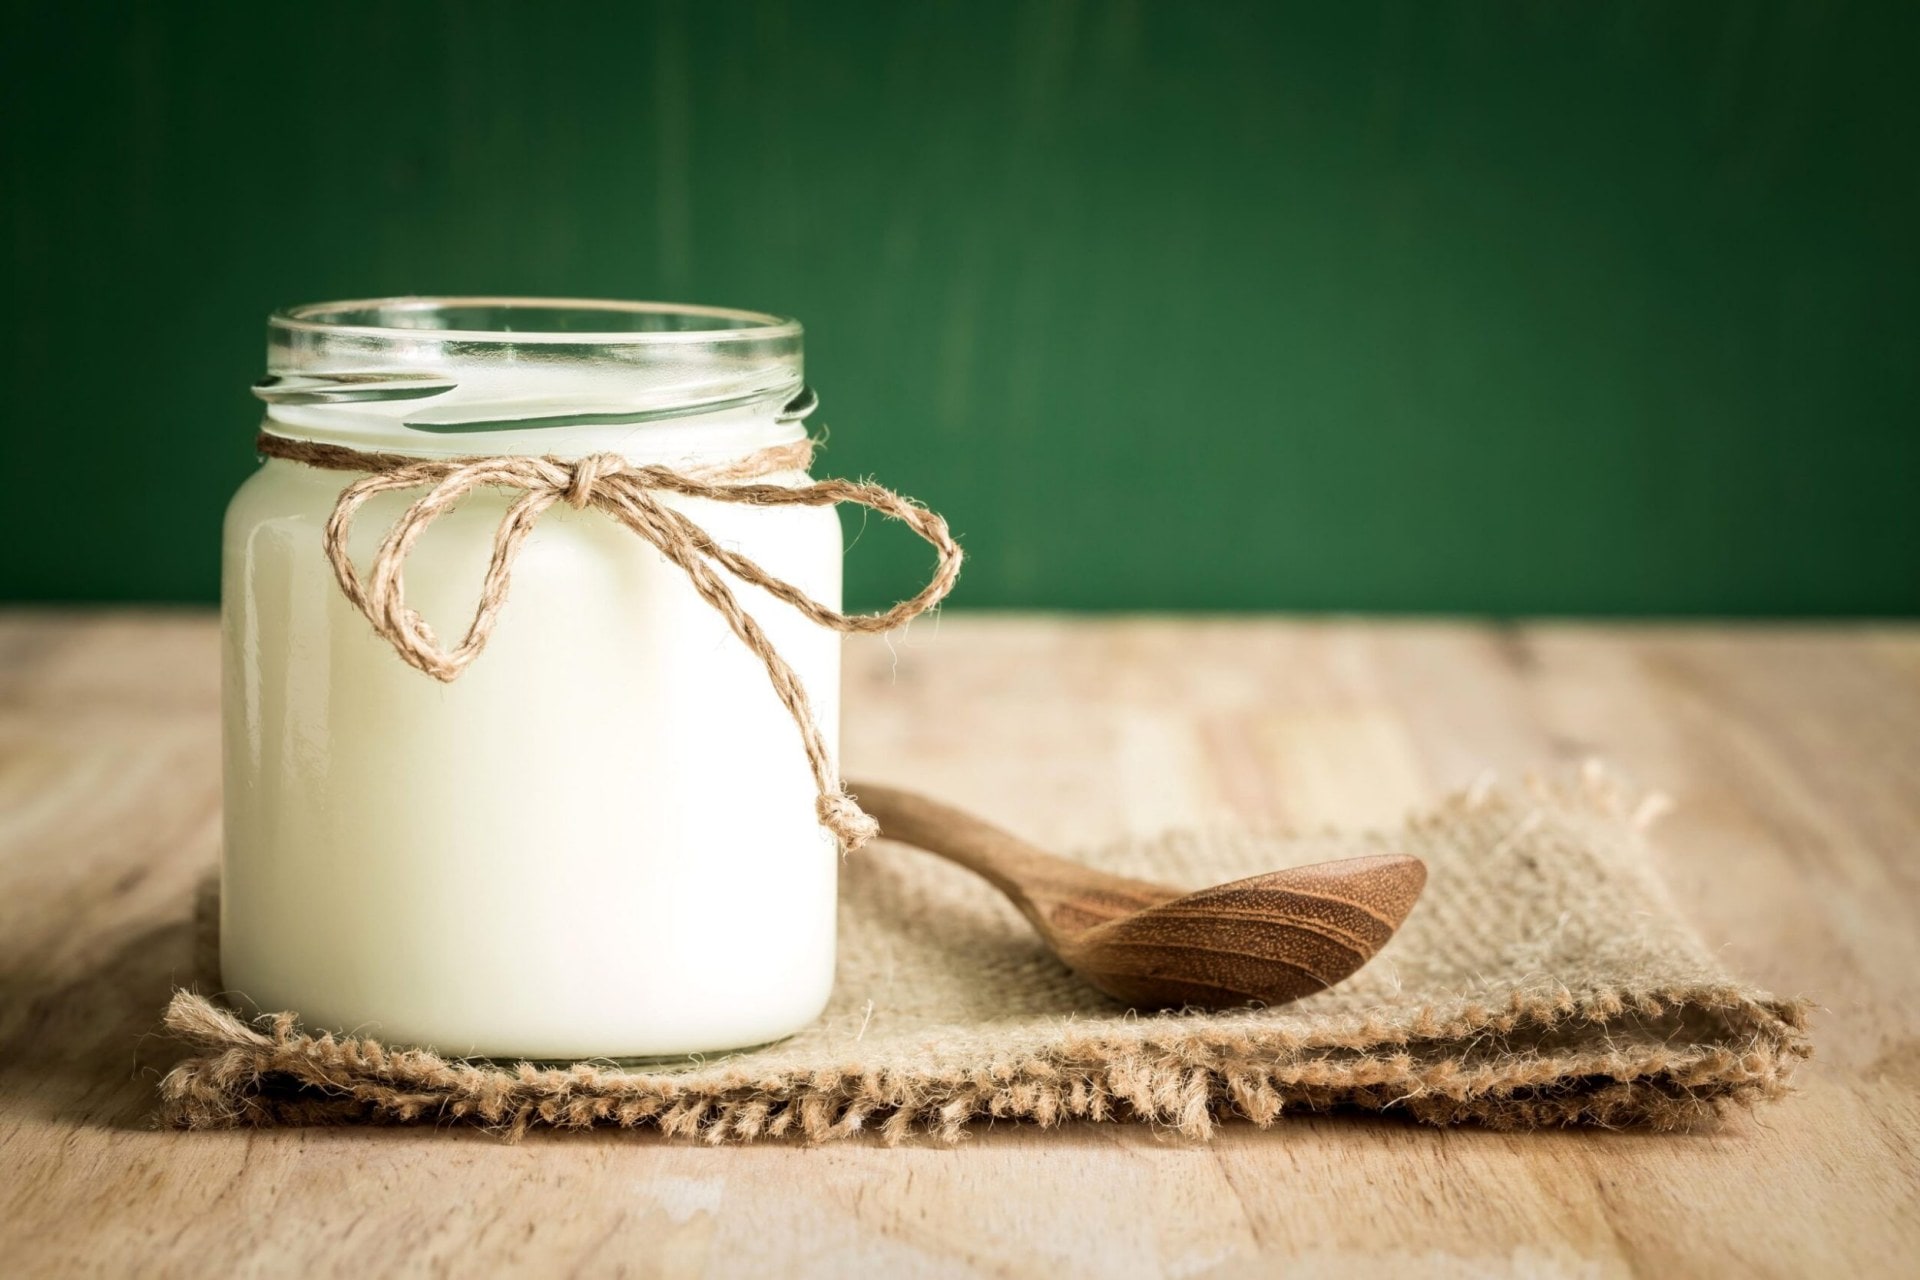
column 632, row 496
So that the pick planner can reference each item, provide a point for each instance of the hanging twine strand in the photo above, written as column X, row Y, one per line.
column 631, row 495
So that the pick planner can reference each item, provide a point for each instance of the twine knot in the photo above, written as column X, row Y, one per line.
column 586, row 475
column 631, row 496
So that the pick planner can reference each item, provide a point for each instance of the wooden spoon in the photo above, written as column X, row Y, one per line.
column 1267, row 939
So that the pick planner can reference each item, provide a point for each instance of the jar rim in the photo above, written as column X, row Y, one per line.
column 543, row 375
column 629, row 323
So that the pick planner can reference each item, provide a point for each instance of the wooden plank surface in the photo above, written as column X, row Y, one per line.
column 1792, row 756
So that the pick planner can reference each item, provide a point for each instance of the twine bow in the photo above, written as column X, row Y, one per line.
column 631, row 495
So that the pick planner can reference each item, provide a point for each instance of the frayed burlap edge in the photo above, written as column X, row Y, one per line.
column 275, row 1074
column 1653, row 1054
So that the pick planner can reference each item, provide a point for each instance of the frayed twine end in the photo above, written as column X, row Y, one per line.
column 839, row 814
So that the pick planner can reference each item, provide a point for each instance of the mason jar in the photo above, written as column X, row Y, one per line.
column 601, row 839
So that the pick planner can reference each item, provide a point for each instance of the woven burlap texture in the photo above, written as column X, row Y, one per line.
column 1544, row 979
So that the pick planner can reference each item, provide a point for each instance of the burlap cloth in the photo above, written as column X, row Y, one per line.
column 1544, row 979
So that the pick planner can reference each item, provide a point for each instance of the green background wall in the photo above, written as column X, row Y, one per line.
column 1594, row 308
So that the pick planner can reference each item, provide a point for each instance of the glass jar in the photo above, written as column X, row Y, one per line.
column 601, row 839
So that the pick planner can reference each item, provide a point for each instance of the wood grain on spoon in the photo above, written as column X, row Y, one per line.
column 1266, row 939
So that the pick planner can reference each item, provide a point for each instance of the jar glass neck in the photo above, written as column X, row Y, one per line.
column 455, row 376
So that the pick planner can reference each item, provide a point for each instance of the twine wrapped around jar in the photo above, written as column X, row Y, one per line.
column 632, row 496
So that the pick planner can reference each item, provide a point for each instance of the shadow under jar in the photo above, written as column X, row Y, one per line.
column 601, row 839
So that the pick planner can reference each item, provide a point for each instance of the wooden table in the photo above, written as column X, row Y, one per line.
column 1793, row 755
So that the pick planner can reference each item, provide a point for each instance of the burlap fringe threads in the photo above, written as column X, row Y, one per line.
column 1188, row 1086
column 631, row 496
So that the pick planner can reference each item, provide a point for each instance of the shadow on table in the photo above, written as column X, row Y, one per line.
column 86, row 1047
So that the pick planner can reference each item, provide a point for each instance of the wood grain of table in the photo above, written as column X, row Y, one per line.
column 1792, row 755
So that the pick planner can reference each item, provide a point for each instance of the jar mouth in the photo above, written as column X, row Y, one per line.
column 533, row 321
column 545, row 375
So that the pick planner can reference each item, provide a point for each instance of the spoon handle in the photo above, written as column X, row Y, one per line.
column 1038, row 882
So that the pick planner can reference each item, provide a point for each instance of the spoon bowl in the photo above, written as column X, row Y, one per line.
column 1267, row 939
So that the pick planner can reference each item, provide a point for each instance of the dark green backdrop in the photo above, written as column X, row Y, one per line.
column 1513, row 308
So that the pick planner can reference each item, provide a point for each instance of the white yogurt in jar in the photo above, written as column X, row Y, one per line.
column 599, row 841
